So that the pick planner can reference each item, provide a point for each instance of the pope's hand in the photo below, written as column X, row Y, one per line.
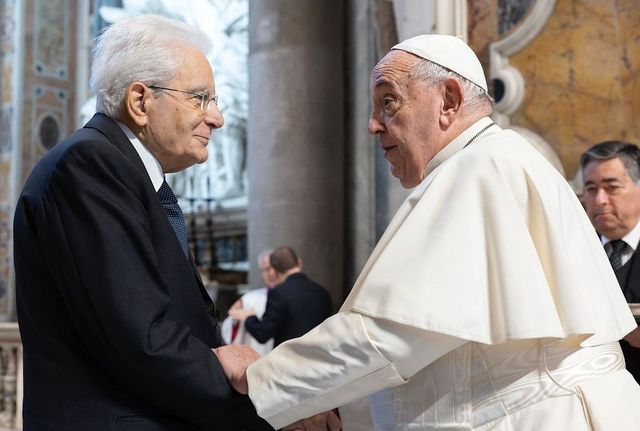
column 235, row 359
column 327, row 421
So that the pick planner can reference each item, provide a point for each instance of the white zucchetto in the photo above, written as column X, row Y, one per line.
column 448, row 51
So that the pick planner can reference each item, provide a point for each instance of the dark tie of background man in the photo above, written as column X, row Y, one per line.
column 615, row 257
column 174, row 213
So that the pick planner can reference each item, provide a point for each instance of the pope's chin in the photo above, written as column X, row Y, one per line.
column 405, row 181
column 408, row 183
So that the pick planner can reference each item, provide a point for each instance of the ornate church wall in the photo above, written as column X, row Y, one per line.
column 9, row 148
column 48, row 109
column 580, row 71
column 38, row 61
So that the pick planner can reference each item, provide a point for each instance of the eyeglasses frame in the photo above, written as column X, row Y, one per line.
column 204, row 96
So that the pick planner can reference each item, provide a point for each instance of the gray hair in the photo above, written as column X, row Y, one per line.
column 141, row 48
column 629, row 155
column 263, row 255
column 475, row 97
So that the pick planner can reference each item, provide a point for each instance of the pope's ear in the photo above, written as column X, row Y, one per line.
column 136, row 103
column 453, row 98
column 453, row 94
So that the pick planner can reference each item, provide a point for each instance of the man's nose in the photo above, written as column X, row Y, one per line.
column 213, row 117
column 601, row 197
column 375, row 126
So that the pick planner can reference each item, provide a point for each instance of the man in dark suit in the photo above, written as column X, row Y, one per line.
column 611, row 177
column 294, row 306
column 118, row 331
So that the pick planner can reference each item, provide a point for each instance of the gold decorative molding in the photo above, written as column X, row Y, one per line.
column 513, row 81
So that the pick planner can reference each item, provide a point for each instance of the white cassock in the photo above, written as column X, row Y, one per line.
column 488, row 304
column 255, row 300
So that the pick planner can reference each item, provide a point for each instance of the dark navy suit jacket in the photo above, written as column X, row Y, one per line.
column 629, row 279
column 116, row 325
column 293, row 308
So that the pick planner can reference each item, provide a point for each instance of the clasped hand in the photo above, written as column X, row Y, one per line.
column 327, row 421
column 235, row 359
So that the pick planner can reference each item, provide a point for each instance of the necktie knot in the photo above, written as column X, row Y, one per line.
column 174, row 214
column 166, row 196
column 615, row 257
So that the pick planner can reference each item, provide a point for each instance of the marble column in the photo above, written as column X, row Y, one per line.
column 296, row 145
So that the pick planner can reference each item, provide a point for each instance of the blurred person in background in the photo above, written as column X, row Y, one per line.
column 233, row 331
column 295, row 305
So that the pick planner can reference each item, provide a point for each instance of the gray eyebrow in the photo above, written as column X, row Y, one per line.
column 378, row 82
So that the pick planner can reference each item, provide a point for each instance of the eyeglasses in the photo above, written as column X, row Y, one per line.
column 206, row 99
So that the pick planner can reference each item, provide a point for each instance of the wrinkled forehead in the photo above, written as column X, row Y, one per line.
column 394, row 69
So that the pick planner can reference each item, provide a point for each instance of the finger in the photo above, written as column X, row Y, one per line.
column 297, row 426
column 316, row 423
column 333, row 423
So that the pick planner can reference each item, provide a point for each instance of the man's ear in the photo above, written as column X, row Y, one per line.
column 453, row 98
column 137, row 97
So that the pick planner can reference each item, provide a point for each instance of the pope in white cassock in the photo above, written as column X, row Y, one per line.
column 488, row 303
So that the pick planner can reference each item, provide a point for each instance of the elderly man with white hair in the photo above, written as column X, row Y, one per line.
column 487, row 304
column 116, row 324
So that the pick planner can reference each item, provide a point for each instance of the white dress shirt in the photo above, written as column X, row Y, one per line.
column 631, row 239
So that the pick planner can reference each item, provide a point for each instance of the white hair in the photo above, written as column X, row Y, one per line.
column 141, row 48
column 475, row 98
column 263, row 255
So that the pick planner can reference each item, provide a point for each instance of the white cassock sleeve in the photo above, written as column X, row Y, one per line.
column 348, row 357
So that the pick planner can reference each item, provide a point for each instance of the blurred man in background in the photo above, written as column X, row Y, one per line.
column 233, row 331
column 295, row 305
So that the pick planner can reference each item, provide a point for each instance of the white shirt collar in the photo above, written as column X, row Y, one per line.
column 457, row 144
column 632, row 238
column 152, row 165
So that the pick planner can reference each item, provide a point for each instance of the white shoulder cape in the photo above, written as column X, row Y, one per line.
column 493, row 246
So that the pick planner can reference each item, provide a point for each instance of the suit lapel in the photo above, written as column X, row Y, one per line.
column 116, row 137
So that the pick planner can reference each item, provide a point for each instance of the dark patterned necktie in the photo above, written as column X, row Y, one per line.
column 174, row 214
column 615, row 257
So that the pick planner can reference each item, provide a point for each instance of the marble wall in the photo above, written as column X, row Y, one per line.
column 8, row 62
column 38, row 75
column 583, row 77
column 581, row 73
column 483, row 29
column 48, row 109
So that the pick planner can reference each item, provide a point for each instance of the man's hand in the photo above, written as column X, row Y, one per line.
column 235, row 359
column 633, row 337
column 327, row 421
column 241, row 314
column 236, row 305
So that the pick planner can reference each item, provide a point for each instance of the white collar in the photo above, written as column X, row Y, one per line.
column 632, row 238
column 457, row 144
column 151, row 164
